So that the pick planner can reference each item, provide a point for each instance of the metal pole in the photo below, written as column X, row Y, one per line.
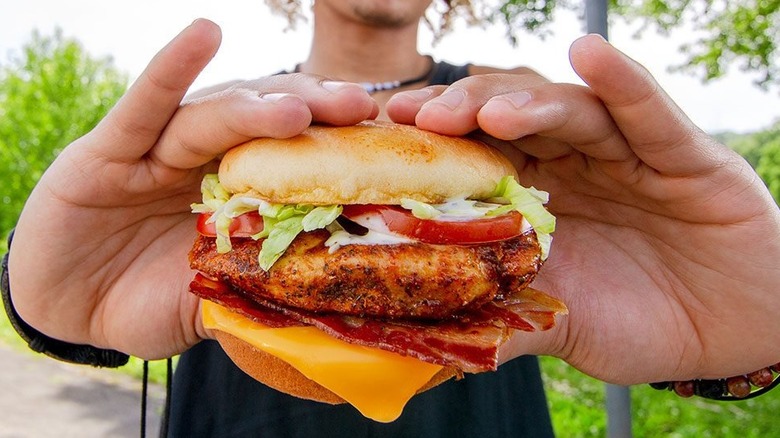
column 618, row 397
column 596, row 17
column 618, row 411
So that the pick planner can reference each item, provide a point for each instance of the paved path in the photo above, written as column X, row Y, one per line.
column 40, row 397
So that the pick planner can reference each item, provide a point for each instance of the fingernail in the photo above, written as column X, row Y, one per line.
column 517, row 100
column 420, row 95
column 274, row 97
column 451, row 99
column 198, row 21
column 334, row 86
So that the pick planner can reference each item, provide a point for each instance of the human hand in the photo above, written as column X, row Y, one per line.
column 667, row 243
column 100, row 252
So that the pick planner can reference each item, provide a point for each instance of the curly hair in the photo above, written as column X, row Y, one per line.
column 439, row 18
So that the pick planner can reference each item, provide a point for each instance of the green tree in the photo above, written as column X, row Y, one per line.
column 769, row 168
column 742, row 33
column 50, row 95
column 752, row 146
column 738, row 33
column 762, row 150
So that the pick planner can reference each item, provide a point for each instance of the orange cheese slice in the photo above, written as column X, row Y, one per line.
column 378, row 383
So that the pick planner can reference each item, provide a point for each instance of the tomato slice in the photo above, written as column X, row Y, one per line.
column 245, row 225
column 402, row 221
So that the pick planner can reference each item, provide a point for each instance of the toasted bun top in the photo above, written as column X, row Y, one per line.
column 369, row 163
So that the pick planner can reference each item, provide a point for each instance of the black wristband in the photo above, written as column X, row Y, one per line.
column 64, row 351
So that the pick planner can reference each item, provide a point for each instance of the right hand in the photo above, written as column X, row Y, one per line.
column 666, row 244
column 100, row 251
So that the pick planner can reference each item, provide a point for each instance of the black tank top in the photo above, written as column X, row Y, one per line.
column 445, row 73
column 211, row 397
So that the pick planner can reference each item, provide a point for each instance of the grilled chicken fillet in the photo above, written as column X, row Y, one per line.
column 417, row 280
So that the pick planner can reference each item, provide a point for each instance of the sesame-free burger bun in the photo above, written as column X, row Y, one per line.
column 369, row 163
column 278, row 374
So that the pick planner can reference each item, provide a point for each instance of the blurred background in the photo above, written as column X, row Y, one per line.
column 64, row 64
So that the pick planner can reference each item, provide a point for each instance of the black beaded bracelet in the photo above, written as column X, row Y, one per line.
column 55, row 348
column 730, row 389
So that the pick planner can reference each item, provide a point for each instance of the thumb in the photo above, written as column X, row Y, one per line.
column 656, row 129
column 144, row 111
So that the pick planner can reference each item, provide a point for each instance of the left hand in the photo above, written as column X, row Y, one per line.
column 100, row 251
column 667, row 245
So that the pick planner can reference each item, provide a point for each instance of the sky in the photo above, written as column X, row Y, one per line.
column 255, row 43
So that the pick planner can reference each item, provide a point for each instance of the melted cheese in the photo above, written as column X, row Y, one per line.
column 376, row 382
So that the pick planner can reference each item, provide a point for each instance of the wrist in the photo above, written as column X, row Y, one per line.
column 55, row 348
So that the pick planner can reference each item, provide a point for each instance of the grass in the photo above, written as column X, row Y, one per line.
column 577, row 404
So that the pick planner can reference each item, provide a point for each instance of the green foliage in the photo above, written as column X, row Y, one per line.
column 742, row 33
column 158, row 369
column 529, row 15
column 50, row 95
column 747, row 145
column 577, row 405
column 576, row 401
column 769, row 168
column 751, row 146
column 762, row 150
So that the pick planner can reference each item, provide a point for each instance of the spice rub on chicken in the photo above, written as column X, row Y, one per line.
column 407, row 280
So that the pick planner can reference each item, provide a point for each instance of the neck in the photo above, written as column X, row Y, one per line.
column 353, row 51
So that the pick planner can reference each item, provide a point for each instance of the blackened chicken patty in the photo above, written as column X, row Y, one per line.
column 413, row 281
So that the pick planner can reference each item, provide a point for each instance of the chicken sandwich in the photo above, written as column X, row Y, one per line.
column 365, row 264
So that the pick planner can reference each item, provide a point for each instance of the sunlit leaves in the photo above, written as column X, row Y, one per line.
column 762, row 150
column 729, row 34
column 51, row 92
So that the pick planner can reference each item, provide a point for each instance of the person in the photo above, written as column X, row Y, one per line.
column 666, row 247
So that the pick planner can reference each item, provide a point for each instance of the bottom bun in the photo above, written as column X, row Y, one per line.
column 280, row 375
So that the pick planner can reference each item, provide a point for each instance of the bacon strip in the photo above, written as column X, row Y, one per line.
column 469, row 343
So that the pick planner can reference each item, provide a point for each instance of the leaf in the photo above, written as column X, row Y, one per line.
column 51, row 93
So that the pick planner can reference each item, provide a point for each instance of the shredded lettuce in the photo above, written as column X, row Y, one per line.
column 420, row 209
column 214, row 195
column 280, row 231
column 280, row 236
column 281, row 223
column 530, row 203
column 321, row 217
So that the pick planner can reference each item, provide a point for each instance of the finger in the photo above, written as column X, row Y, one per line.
column 202, row 130
column 654, row 126
column 143, row 112
column 518, row 151
column 569, row 115
column 454, row 112
column 276, row 106
column 343, row 103
column 404, row 106
column 330, row 101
